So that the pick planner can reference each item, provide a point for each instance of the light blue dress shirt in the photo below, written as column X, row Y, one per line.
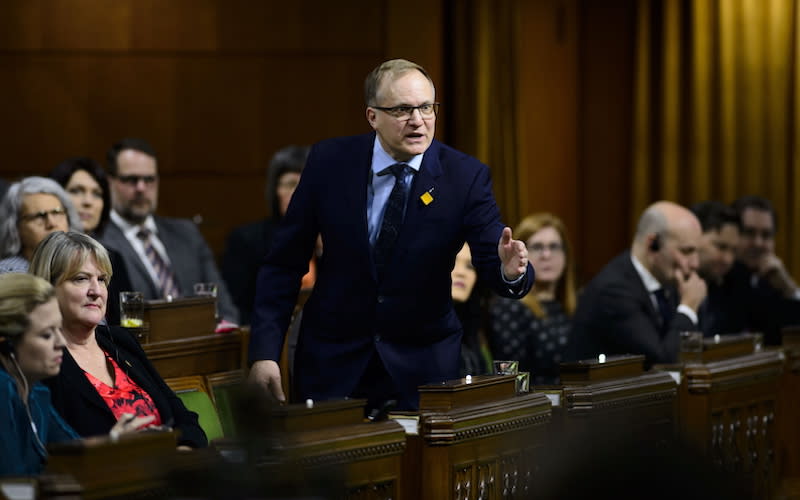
column 380, row 187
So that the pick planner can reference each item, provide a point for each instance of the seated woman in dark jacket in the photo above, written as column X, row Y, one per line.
column 105, row 373
column 30, row 350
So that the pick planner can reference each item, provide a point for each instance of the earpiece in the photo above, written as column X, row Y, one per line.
column 655, row 244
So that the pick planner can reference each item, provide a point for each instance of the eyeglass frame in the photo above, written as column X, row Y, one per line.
column 133, row 180
column 42, row 215
column 410, row 110
column 553, row 248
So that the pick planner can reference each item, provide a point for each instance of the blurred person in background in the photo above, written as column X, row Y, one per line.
column 165, row 256
column 535, row 330
column 32, row 208
column 721, row 312
column 87, row 185
column 759, row 277
column 247, row 245
column 469, row 302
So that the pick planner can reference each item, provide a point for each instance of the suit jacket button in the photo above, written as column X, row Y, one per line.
column 380, row 299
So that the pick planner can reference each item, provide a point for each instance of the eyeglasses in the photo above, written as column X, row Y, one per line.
column 135, row 179
column 39, row 218
column 404, row 113
column 751, row 232
column 539, row 248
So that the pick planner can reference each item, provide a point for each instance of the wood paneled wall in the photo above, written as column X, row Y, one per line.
column 215, row 85
column 218, row 85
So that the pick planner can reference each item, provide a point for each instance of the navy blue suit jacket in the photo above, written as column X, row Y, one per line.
column 408, row 318
column 616, row 315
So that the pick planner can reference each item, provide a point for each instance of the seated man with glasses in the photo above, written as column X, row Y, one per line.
column 32, row 208
column 164, row 256
column 759, row 278
column 393, row 208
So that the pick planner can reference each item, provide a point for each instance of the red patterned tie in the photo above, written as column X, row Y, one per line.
column 166, row 278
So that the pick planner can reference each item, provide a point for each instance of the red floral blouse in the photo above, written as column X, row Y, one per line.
column 125, row 396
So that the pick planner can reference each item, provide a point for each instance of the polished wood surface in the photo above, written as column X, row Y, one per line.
column 480, row 450
column 593, row 370
column 787, row 416
column 136, row 464
column 728, row 412
column 311, row 442
column 179, row 318
column 202, row 355
column 602, row 403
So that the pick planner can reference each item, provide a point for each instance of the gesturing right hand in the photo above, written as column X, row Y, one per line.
column 267, row 375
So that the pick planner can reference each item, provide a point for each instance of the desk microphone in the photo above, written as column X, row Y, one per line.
column 382, row 412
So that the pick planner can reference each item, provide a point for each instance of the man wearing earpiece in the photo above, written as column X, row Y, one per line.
column 641, row 301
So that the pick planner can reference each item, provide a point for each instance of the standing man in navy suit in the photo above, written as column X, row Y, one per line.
column 393, row 208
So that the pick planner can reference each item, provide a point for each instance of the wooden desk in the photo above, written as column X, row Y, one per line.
column 787, row 418
column 136, row 465
column 620, row 398
column 477, row 440
column 204, row 355
column 331, row 440
column 727, row 411
column 179, row 318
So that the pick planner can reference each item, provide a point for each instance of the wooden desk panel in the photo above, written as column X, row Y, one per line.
column 727, row 411
column 478, row 451
column 203, row 355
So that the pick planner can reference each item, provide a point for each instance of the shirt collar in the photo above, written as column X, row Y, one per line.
column 128, row 228
column 381, row 159
column 650, row 282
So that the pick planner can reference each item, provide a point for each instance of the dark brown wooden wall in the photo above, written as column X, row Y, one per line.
column 218, row 85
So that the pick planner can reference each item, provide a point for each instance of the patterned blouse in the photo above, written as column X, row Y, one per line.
column 539, row 344
column 126, row 396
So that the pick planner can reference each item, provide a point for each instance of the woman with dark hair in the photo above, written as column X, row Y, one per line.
column 247, row 245
column 86, row 184
column 535, row 329
column 469, row 303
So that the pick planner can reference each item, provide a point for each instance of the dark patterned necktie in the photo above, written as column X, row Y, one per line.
column 166, row 278
column 664, row 308
column 392, row 217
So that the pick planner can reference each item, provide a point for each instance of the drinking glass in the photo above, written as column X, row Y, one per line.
column 131, row 308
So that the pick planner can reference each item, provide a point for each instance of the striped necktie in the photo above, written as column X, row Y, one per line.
column 166, row 278
column 392, row 217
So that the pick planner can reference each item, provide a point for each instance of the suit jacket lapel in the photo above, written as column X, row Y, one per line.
column 140, row 278
column 74, row 376
column 425, row 181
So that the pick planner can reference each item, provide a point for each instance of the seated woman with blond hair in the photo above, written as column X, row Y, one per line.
column 30, row 350
column 535, row 330
column 106, row 373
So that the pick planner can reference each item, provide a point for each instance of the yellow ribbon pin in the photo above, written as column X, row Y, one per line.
column 426, row 198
